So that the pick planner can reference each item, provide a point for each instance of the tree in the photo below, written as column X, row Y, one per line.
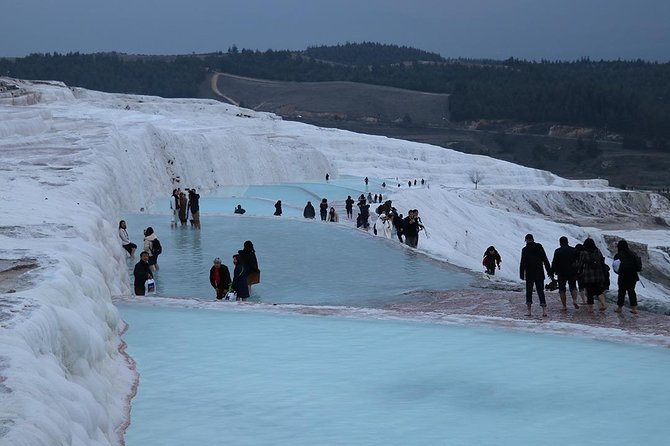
column 476, row 177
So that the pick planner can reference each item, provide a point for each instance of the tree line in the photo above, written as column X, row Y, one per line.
column 627, row 97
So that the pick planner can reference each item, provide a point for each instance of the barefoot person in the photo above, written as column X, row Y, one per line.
column 564, row 265
column 533, row 258
column 593, row 270
column 629, row 266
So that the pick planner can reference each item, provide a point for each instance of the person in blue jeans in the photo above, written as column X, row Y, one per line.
column 533, row 258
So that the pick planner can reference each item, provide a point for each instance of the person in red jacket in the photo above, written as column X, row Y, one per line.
column 219, row 278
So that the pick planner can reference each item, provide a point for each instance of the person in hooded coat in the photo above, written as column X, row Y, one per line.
column 309, row 211
column 250, row 262
column 278, row 210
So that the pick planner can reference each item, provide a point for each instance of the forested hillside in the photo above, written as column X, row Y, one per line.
column 627, row 97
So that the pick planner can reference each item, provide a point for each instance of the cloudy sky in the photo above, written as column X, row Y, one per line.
column 530, row 29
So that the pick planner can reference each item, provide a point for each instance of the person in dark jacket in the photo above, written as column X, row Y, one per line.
column 564, row 265
column 250, row 263
column 349, row 206
column 142, row 272
column 398, row 224
column 194, row 207
column 278, row 208
column 411, row 228
column 491, row 260
column 309, row 211
column 323, row 209
column 219, row 278
column 240, row 210
column 629, row 266
column 594, row 273
column 533, row 258
column 240, row 285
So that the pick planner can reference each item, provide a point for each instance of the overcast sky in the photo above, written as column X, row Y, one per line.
column 497, row 29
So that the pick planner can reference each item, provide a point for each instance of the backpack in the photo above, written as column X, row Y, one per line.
column 156, row 247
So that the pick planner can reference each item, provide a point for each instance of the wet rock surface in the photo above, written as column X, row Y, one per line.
column 507, row 308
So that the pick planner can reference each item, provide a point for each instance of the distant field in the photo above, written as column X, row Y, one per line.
column 337, row 100
column 424, row 117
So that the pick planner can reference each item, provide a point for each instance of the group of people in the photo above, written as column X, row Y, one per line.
column 582, row 270
column 245, row 267
column 183, row 207
column 407, row 229
column 245, row 274
column 147, row 266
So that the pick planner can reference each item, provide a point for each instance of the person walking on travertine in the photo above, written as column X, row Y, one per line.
column 564, row 265
column 533, row 258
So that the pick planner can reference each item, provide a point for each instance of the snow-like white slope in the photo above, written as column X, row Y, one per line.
column 73, row 160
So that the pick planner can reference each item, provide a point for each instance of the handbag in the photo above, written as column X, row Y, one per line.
column 254, row 278
column 149, row 287
column 230, row 295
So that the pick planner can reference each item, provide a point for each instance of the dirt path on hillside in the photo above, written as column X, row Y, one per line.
column 214, row 85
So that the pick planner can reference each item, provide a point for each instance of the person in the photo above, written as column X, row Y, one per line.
column 411, row 228
column 349, row 206
column 385, row 222
column 369, row 197
column 278, row 208
column 533, row 258
column 415, row 181
column 323, row 209
column 363, row 215
column 219, row 278
column 151, row 247
column 248, row 259
column 580, row 280
column 629, row 266
column 564, row 265
column 384, row 184
column 423, row 181
column 409, row 183
column 240, row 210
column 327, row 177
column 332, row 215
column 141, row 273
column 125, row 240
column 175, row 206
column 491, row 260
column 398, row 224
column 239, row 281
column 194, row 206
column 183, row 208
column 366, row 181
column 309, row 211
column 593, row 269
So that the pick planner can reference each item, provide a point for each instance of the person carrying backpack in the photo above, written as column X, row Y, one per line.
column 629, row 265
column 153, row 246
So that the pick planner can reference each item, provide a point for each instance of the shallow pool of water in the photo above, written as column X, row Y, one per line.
column 259, row 378
column 301, row 261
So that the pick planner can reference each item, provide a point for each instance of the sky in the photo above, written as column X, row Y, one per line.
column 495, row 29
